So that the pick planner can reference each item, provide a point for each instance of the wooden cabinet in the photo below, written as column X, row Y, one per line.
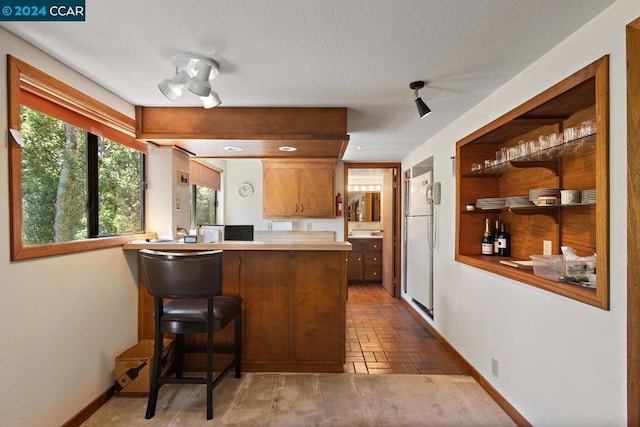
column 490, row 166
column 298, row 189
column 365, row 260
column 294, row 310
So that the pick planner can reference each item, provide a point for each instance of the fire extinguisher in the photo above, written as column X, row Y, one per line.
column 339, row 205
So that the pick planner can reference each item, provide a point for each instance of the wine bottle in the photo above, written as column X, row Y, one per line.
column 127, row 378
column 504, row 242
column 487, row 240
column 496, row 232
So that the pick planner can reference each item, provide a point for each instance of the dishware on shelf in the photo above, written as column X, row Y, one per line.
column 570, row 197
column 491, row 203
column 518, row 202
column 588, row 196
column 545, row 196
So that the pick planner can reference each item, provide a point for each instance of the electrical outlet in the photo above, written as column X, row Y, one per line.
column 269, row 226
column 547, row 248
column 495, row 368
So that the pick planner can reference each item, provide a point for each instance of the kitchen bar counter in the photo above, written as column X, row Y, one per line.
column 294, row 302
column 292, row 245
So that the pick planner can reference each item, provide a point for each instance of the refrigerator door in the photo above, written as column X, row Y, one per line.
column 419, row 260
column 418, row 205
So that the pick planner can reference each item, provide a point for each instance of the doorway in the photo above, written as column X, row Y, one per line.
column 374, row 207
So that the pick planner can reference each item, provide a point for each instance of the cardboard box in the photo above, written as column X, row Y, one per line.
column 133, row 367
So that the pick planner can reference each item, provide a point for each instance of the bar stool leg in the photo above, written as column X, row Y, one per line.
column 210, row 374
column 237, row 327
column 157, row 367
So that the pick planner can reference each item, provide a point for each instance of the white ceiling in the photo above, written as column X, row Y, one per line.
column 360, row 54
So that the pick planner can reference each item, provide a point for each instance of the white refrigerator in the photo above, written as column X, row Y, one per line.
column 423, row 193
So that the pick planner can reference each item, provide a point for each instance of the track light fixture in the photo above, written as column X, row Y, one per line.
column 194, row 72
column 423, row 109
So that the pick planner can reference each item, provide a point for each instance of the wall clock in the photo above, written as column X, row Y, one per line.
column 245, row 190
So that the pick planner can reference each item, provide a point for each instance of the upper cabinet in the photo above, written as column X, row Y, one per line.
column 298, row 189
column 557, row 140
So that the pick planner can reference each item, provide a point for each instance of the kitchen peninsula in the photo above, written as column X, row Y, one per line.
column 294, row 300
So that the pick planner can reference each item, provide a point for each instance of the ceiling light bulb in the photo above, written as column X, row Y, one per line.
column 211, row 101
column 172, row 88
column 287, row 148
column 423, row 109
column 200, row 83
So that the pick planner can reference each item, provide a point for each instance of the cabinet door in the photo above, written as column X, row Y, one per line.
column 264, row 287
column 280, row 192
column 317, row 321
column 316, row 190
column 355, row 265
column 373, row 273
column 225, row 337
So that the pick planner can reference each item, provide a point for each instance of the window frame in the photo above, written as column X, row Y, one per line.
column 94, row 115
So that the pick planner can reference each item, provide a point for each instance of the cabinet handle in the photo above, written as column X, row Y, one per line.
column 359, row 259
column 375, row 259
column 296, row 208
column 301, row 207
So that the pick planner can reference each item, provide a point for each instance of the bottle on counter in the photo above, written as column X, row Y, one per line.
column 504, row 242
column 496, row 232
column 487, row 240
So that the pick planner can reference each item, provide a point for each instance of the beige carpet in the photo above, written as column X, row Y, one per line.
column 269, row 399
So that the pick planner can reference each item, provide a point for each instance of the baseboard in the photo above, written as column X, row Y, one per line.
column 89, row 410
column 500, row 400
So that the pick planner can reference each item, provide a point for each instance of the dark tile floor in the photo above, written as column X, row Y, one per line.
column 383, row 337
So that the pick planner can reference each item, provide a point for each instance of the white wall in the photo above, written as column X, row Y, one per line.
column 65, row 318
column 561, row 362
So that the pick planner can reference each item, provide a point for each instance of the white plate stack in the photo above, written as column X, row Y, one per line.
column 491, row 203
column 518, row 202
column 589, row 196
column 535, row 193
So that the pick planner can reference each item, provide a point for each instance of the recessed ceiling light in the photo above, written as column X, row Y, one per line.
column 287, row 148
column 357, row 147
column 232, row 148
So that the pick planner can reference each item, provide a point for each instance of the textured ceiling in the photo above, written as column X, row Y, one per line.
column 359, row 54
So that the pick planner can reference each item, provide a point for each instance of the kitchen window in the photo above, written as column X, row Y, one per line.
column 203, row 194
column 203, row 205
column 76, row 171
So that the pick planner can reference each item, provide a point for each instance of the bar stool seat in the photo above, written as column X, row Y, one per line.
column 187, row 293
column 181, row 316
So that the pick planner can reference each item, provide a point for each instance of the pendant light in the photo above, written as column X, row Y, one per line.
column 423, row 109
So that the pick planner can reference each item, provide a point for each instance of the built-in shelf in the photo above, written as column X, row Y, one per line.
column 577, row 105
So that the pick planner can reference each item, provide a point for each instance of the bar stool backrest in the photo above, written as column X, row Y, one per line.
column 182, row 275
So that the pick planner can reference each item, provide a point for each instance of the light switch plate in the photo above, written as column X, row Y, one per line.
column 547, row 247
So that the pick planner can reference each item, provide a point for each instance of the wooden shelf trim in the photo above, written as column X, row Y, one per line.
column 488, row 263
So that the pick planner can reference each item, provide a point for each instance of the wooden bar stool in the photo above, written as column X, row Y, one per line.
column 192, row 283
